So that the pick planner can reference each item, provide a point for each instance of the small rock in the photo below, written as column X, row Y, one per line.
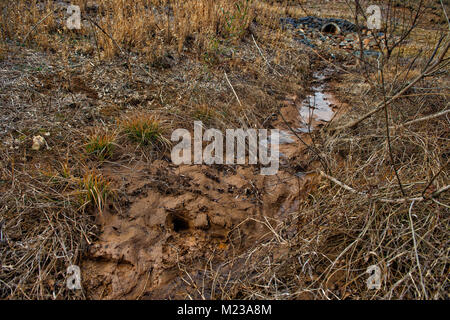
column 201, row 221
column 366, row 43
column 38, row 143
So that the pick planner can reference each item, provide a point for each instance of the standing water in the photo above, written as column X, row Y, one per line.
column 317, row 106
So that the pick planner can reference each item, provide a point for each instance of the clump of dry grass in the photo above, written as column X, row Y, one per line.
column 145, row 129
column 95, row 190
column 101, row 145
column 204, row 113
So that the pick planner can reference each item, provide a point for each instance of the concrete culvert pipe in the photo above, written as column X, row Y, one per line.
column 331, row 28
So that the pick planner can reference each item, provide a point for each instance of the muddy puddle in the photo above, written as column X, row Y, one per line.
column 316, row 107
column 303, row 117
column 170, row 222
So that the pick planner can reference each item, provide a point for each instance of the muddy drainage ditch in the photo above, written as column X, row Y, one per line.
column 170, row 221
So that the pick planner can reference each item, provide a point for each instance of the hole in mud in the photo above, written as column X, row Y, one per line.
column 179, row 223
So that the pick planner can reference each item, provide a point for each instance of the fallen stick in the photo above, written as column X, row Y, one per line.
column 235, row 94
column 341, row 184
column 413, row 233
column 433, row 116
column 267, row 62
column 365, row 194
column 35, row 26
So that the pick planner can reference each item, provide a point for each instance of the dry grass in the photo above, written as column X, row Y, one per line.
column 338, row 233
column 94, row 190
column 101, row 145
column 322, row 251
column 48, row 220
column 145, row 129
column 168, row 59
column 42, row 230
column 146, row 27
column 359, row 216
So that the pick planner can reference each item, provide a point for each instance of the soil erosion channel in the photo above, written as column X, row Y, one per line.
column 170, row 220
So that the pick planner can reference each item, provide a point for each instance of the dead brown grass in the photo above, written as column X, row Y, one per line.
column 168, row 59
column 60, row 73
column 146, row 27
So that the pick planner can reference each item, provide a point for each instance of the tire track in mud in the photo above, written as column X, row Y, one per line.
column 170, row 221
